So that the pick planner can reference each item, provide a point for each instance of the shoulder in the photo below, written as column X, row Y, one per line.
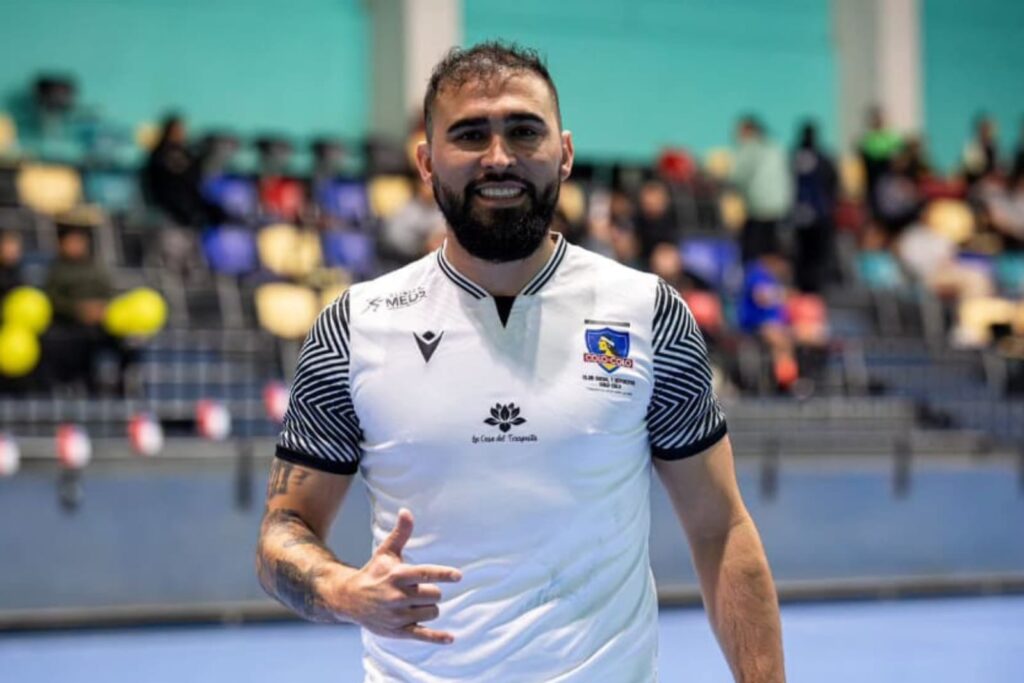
column 396, row 289
column 603, row 273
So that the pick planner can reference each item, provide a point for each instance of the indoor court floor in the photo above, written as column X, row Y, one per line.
column 966, row 640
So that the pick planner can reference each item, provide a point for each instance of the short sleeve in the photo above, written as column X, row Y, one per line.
column 321, row 429
column 683, row 417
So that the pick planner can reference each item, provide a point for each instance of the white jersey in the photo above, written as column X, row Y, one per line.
column 523, row 450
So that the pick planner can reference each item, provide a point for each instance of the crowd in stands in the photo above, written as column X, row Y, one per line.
column 752, row 237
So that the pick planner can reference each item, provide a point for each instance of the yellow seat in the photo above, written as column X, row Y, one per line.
column 573, row 202
column 388, row 194
column 287, row 251
column 286, row 311
column 733, row 211
column 8, row 134
column 329, row 294
column 852, row 176
column 49, row 189
column 951, row 218
column 718, row 163
column 147, row 135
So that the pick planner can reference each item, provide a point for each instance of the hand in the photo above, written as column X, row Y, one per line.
column 390, row 598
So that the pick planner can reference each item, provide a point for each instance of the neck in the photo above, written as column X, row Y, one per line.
column 498, row 279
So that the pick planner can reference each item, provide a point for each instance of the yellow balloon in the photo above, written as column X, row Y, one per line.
column 29, row 308
column 149, row 312
column 19, row 351
column 119, row 316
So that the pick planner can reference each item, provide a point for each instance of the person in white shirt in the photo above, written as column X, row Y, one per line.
column 505, row 400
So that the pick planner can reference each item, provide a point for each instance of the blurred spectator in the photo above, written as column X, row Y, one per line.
column 931, row 258
column 817, row 186
column 10, row 261
column 877, row 147
column 918, row 165
column 170, row 178
column 1017, row 169
column 655, row 221
column 898, row 198
column 981, row 154
column 761, row 175
column 79, row 290
column 1002, row 205
column 411, row 231
column 762, row 312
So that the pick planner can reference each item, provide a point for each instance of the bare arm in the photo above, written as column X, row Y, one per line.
column 735, row 579
column 295, row 566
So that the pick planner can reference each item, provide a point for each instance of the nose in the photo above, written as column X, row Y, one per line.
column 498, row 156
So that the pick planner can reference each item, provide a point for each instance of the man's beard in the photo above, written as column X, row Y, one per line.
column 502, row 234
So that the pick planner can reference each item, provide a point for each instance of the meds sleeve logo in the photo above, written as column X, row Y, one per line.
column 608, row 348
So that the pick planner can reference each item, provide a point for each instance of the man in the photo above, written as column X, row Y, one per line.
column 470, row 389
column 761, row 174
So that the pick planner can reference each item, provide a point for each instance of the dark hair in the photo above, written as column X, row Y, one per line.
column 752, row 123
column 480, row 62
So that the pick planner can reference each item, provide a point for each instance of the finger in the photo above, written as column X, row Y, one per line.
column 422, row 594
column 414, row 615
column 428, row 635
column 399, row 536
column 410, row 574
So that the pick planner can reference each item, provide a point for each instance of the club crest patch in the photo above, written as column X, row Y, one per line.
column 608, row 348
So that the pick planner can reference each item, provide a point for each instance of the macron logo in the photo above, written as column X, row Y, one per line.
column 427, row 342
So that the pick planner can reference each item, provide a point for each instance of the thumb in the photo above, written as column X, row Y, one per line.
column 399, row 536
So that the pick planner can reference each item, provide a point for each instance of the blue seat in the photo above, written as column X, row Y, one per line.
column 351, row 250
column 235, row 196
column 1009, row 271
column 715, row 261
column 879, row 270
column 344, row 199
column 230, row 250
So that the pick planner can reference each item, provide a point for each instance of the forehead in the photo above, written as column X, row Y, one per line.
column 495, row 95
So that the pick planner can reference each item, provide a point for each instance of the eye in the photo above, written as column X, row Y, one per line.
column 524, row 132
column 470, row 136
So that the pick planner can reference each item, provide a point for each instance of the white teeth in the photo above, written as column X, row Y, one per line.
column 500, row 192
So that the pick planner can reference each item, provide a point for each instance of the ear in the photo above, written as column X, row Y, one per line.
column 568, row 154
column 424, row 164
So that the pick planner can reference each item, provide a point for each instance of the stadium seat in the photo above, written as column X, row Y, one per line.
column 951, row 218
column 852, row 176
column 8, row 135
column 49, row 189
column 572, row 200
column 676, row 166
column 285, row 310
column 713, row 260
column 733, row 211
column 879, row 270
column 978, row 315
column 706, row 309
column 1009, row 272
column 345, row 200
column 350, row 250
column 115, row 192
column 230, row 250
column 283, row 198
column 288, row 251
column 718, row 163
column 329, row 294
column 388, row 194
column 235, row 196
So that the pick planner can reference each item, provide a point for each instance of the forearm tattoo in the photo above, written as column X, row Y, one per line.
column 288, row 576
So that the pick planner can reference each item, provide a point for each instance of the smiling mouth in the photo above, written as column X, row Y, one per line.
column 500, row 192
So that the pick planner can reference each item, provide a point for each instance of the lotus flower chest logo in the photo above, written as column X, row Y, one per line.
column 505, row 417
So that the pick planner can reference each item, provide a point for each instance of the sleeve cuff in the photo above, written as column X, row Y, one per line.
column 691, row 449
column 331, row 466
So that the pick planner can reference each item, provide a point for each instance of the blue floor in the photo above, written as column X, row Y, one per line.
column 976, row 640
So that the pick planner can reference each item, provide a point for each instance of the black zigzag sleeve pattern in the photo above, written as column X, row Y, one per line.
column 321, row 429
column 683, row 417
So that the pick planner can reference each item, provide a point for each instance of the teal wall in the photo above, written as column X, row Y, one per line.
column 634, row 76
column 973, row 60
column 298, row 67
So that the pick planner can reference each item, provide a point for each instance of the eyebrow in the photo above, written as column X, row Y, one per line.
column 476, row 121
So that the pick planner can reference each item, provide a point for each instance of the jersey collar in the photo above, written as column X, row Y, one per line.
column 534, row 286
